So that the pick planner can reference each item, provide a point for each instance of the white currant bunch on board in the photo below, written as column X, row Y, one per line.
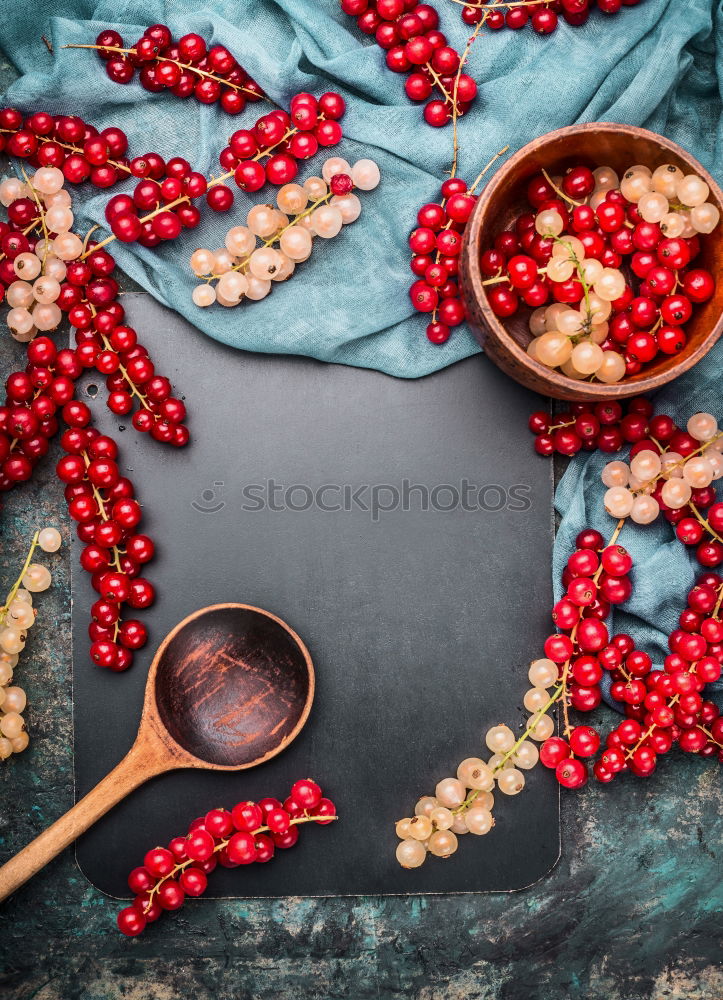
column 463, row 804
column 276, row 239
column 17, row 615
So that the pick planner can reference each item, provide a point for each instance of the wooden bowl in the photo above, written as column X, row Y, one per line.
column 504, row 199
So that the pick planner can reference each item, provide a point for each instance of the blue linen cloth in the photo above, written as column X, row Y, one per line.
column 664, row 569
column 655, row 64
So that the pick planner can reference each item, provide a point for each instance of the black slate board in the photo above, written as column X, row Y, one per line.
column 420, row 623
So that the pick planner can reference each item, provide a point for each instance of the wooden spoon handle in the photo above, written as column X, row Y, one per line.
column 135, row 768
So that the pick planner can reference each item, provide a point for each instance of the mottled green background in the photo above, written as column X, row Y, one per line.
column 631, row 912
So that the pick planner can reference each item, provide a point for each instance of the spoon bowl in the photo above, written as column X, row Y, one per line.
column 232, row 686
column 228, row 688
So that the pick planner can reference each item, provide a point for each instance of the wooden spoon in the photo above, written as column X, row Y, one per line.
column 229, row 687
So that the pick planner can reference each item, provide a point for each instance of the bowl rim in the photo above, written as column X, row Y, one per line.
column 554, row 378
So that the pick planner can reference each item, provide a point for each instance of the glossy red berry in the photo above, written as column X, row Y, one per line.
column 571, row 773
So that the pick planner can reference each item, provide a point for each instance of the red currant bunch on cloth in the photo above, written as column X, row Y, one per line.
column 436, row 243
column 414, row 45
column 188, row 67
column 607, row 426
column 160, row 206
column 68, row 143
column 563, row 259
column 107, row 517
column 271, row 149
column 250, row 832
column 543, row 17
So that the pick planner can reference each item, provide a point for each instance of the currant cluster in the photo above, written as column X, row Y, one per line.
column 160, row 206
column 607, row 426
column 106, row 344
column 29, row 418
column 270, row 151
column 248, row 833
column 37, row 247
column 463, row 804
column 187, row 67
column 662, row 707
column 17, row 615
column 570, row 249
column 569, row 673
column 102, row 504
column 68, row 143
column 320, row 208
column 436, row 244
column 543, row 16
column 673, row 471
column 50, row 272
column 409, row 33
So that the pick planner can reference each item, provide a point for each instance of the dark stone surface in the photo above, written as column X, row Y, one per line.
column 632, row 911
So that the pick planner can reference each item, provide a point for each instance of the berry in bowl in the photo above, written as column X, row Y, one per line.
column 589, row 263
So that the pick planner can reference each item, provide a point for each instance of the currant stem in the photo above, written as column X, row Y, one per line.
column 187, row 66
column 18, row 583
column 182, row 865
column 700, row 450
column 88, row 236
column 577, row 263
column 135, row 391
column 41, row 209
column 455, row 105
column 710, row 736
column 121, row 367
column 484, row 170
column 496, row 280
column 440, row 86
column 719, row 602
column 557, row 190
column 704, row 522
column 566, row 668
column 556, row 427
column 104, row 514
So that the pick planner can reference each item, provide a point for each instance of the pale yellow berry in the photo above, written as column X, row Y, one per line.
column 420, row 828
column 500, row 739
column 511, row 781
column 442, row 843
column 411, row 853
column 543, row 673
